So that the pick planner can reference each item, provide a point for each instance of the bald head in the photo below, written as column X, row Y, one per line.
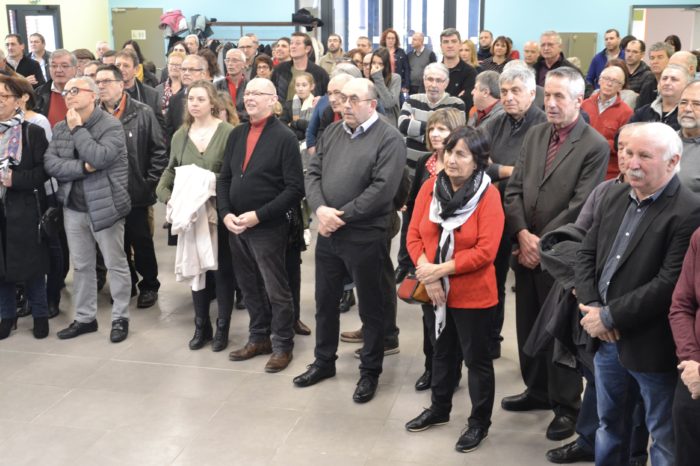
column 685, row 59
column 531, row 52
column 417, row 40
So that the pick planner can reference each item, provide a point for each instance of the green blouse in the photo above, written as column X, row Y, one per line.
column 184, row 152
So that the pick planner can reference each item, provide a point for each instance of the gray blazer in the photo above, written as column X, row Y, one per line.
column 540, row 203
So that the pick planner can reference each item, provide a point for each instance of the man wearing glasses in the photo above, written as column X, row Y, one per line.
column 261, row 179
column 146, row 149
column 248, row 47
column 193, row 68
column 50, row 103
column 235, row 81
column 88, row 157
column 351, row 184
column 551, row 56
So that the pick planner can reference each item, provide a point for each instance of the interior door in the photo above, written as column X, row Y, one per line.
column 141, row 25
column 25, row 20
column 581, row 45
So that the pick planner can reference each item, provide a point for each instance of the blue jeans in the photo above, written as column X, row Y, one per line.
column 615, row 388
column 34, row 288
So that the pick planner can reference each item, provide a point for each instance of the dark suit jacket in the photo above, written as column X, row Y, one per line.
column 541, row 203
column 639, row 294
column 174, row 115
column 149, row 96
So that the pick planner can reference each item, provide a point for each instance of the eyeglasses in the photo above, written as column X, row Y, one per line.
column 5, row 97
column 191, row 70
column 174, row 66
column 610, row 80
column 106, row 81
column 233, row 60
column 74, row 91
column 90, row 75
column 354, row 100
column 245, row 46
column 62, row 66
column 432, row 80
column 255, row 93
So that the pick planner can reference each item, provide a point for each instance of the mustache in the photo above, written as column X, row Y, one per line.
column 635, row 173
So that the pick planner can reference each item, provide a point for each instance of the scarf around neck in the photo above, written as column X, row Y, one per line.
column 11, row 139
column 450, row 210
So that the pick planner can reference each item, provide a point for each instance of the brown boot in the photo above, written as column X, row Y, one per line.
column 278, row 361
column 300, row 328
column 251, row 349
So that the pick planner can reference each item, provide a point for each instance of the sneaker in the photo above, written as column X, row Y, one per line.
column 471, row 439
column 388, row 350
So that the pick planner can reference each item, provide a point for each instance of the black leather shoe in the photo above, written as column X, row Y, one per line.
column 7, row 326
column 313, row 375
column 77, row 328
column 347, row 301
column 41, row 327
column 120, row 329
column 427, row 419
column 569, row 453
column 366, row 388
column 400, row 273
column 53, row 310
column 202, row 333
column 471, row 439
column 523, row 402
column 147, row 298
column 561, row 427
column 220, row 341
column 423, row 382
column 638, row 461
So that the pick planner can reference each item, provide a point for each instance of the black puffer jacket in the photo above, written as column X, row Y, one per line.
column 145, row 145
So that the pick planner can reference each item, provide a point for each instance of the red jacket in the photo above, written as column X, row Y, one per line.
column 473, row 286
column 607, row 124
column 684, row 319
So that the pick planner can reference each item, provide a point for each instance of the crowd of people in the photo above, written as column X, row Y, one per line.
column 587, row 187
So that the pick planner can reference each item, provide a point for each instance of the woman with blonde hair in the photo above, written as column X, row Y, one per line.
column 467, row 52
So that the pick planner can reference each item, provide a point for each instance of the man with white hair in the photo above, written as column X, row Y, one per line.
column 235, row 81
column 100, row 48
column 685, row 59
column 689, row 120
column 625, row 276
column 192, row 43
column 560, row 163
column 507, row 131
column 551, row 56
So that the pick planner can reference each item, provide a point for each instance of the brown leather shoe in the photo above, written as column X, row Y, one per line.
column 250, row 350
column 278, row 361
column 300, row 328
column 352, row 337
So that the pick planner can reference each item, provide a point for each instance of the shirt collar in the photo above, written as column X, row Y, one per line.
column 650, row 199
column 362, row 128
column 564, row 132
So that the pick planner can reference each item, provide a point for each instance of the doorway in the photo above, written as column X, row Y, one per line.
column 25, row 20
column 141, row 25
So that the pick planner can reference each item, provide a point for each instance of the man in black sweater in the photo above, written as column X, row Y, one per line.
column 261, row 179
column 351, row 184
column 21, row 63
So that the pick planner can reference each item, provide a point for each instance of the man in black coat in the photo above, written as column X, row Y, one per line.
column 283, row 75
column 22, row 64
column 193, row 68
column 628, row 266
column 147, row 160
column 127, row 61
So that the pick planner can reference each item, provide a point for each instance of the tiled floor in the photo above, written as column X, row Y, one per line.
column 152, row 401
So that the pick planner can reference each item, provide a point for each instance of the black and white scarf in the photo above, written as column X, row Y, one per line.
column 450, row 210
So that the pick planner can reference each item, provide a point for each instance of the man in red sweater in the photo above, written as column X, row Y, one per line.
column 685, row 324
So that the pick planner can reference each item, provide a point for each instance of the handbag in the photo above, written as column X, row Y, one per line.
column 52, row 218
column 413, row 291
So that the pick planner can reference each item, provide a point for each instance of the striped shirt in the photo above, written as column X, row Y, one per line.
column 418, row 107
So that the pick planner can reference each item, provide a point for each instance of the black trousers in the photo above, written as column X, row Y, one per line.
column 403, row 258
column 686, row 426
column 292, row 265
column 259, row 256
column 545, row 381
column 138, row 238
column 466, row 335
column 369, row 265
column 221, row 281
column 502, row 264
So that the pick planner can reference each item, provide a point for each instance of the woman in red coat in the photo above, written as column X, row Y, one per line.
column 453, row 240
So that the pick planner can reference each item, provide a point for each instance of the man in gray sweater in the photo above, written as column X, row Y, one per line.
column 351, row 183
column 689, row 120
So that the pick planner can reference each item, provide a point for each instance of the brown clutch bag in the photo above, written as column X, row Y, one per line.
column 413, row 291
